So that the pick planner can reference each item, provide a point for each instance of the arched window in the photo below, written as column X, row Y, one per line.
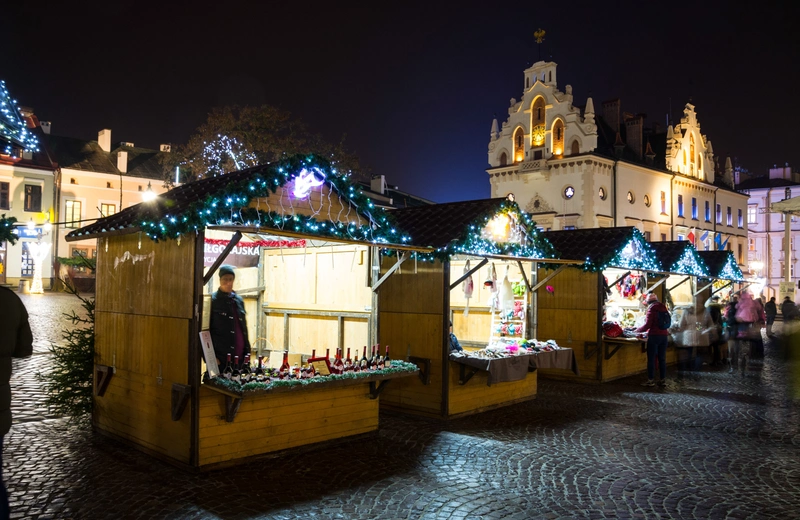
column 519, row 145
column 537, row 122
column 576, row 147
column 691, row 148
column 503, row 159
column 558, row 137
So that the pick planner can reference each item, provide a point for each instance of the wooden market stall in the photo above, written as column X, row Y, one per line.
column 620, row 266
column 310, row 286
column 426, row 293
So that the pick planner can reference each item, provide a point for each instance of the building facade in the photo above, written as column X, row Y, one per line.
column 571, row 167
column 766, row 246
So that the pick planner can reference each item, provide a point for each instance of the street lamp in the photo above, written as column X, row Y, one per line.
column 149, row 194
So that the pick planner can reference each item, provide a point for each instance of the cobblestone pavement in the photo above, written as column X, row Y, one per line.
column 716, row 446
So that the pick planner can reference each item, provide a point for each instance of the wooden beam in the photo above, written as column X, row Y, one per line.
column 724, row 286
column 391, row 271
column 679, row 283
column 468, row 273
column 650, row 289
column 704, row 288
column 222, row 256
column 524, row 276
column 548, row 278
column 619, row 279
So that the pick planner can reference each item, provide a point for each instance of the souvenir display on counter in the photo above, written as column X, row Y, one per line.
column 614, row 313
column 468, row 286
column 503, row 349
column 631, row 286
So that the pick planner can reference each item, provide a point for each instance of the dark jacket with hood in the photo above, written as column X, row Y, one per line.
column 16, row 342
column 223, row 326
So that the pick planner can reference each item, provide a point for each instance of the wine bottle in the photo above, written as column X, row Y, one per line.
column 259, row 373
column 228, row 372
column 373, row 361
column 380, row 358
column 328, row 354
column 246, row 374
column 284, row 370
column 338, row 365
column 348, row 363
column 237, row 374
column 364, row 363
column 387, row 362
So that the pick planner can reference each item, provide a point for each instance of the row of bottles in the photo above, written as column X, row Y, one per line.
column 261, row 374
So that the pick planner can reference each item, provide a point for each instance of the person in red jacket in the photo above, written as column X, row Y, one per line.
column 656, row 341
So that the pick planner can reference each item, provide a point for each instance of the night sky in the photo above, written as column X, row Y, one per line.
column 413, row 86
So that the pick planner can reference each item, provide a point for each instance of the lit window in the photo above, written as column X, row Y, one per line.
column 4, row 195
column 708, row 211
column 647, row 200
column 33, row 198
column 752, row 213
column 680, row 205
column 694, row 208
column 739, row 219
column 72, row 213
column 730, row 216
column 107, row 209
column 631, row 198
column 569, row 192
column 664, row 202
column 719, row 213
column 751, row 244
column 602, row 193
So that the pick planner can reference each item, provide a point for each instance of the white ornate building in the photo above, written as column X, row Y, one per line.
column 571, row 167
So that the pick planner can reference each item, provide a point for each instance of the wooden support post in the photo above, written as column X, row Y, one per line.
column 103, row 375
column 524, row 276
column 180, row 398
column 468, row 273
column 424, row 365
column 389, row 273
column 231, row 407
column 590, row 349
column 375, row 388
column 463, row 376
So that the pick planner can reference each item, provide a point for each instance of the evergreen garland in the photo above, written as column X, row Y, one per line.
column 69, row 385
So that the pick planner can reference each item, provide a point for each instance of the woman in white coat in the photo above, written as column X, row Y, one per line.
column 693, row 333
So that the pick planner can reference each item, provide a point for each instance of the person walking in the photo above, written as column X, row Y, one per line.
column 747, row 316
column 694, row 328
column 731, row 333
column 657, row 337
column 16, row 342
column 771, row 310
column 714, row 312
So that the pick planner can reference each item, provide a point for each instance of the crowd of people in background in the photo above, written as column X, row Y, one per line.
column 738, row 324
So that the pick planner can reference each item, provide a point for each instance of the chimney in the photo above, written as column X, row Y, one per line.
column 378, row 184
column 122, row 161
column 104, row 139
column 633, row 133
column 619, row 146
column 45, row 127
column 611, row 114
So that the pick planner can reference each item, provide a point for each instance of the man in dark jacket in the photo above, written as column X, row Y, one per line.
column 771, row 310
column 16, row 342
column 789, row 310
column 656, row 341
column 228, row 325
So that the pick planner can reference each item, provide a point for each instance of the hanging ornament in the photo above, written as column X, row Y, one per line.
column 491, row 283
column 468, row 287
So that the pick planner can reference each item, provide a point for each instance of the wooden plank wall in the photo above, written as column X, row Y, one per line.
column 475, row 396
column 411, row 308
column 276, row 422
column 329, row 279
column 142, row 319
column 569, row 316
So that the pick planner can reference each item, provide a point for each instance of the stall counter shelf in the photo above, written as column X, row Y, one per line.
column 235, row 424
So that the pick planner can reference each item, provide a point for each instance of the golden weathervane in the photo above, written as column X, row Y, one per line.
column 539, row 35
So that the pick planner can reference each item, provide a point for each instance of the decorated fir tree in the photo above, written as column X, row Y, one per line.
column 14, row 133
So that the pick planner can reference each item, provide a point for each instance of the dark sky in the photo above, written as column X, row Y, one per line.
column 413, row 86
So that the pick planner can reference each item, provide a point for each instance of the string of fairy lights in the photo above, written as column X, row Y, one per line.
column 13, row 130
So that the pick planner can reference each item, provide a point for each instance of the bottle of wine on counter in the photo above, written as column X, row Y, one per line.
column 373, row 361
column 284, row 370
column 259, row 372
column 227, row 373
column 245, row 371
column 387, row 362
column 237, row 374
column 364, row 363
column 348, row 363
column 380, row 358
column 338, row 365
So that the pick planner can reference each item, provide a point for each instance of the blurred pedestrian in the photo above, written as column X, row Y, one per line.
column 771, row 310
column 714, row 313
column 16, row 341
column 789, row 310
column 732, row 333
column 657, row 337
column 694, row 328
column 747, row 317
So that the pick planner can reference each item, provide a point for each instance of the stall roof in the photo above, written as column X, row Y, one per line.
column 680, row 257
column 331, row 207
column 786, row 206
column 600, row 248
column 722, row 265
column 457, row 228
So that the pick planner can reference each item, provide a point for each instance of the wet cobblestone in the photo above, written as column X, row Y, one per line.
column 716, row 446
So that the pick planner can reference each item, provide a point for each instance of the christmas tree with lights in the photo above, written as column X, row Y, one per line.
column 14, row 133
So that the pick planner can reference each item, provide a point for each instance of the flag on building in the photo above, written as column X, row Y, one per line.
column 690, row 236
column 718, row 241
column 704, row 236
column 724, row 243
